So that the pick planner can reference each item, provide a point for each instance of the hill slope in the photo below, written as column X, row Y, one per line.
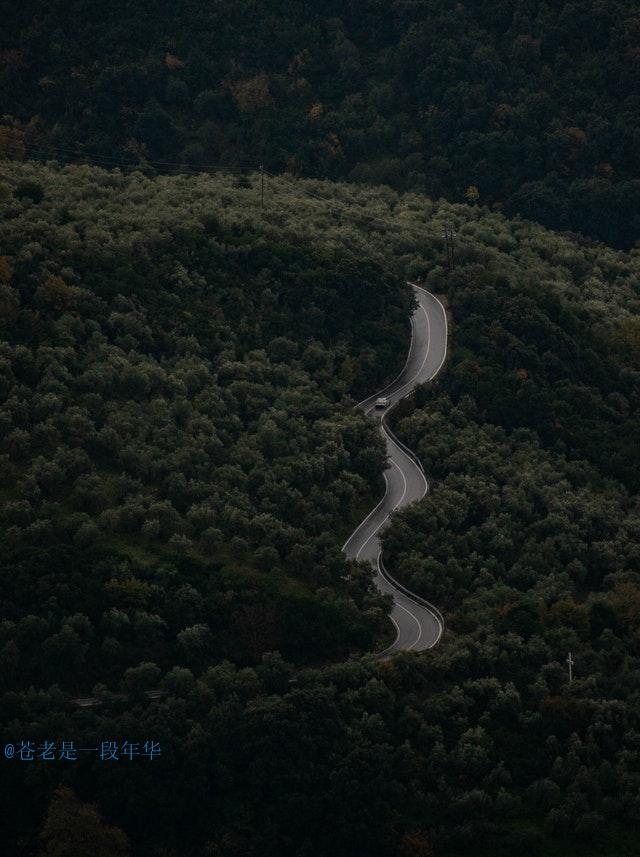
column 531, row 103
column 173, row 413
column 181, row 458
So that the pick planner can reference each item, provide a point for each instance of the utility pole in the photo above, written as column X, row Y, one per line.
column 570, row 661
column 261, row 185
column 448, row 235
column 445, row 235
column 452, row 236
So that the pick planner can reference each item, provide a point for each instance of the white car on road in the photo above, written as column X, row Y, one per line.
column 382, row 402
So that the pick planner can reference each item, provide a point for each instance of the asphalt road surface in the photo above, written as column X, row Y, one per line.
column 419, row 625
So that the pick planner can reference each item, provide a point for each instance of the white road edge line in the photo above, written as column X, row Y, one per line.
column 446, row 327
column 388, row 515
column 406, row 362
column 396, row 603
column 398, row 448
column 433, row 611
column 426, row 356
column 411, row 380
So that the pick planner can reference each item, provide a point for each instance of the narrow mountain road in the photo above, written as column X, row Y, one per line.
column 419, row 625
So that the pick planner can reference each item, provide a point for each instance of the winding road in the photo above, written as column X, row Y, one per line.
column 418, row 623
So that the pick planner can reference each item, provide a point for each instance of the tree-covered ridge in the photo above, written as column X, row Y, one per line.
column 530, row 104
column 403, row 232
column 173, row 412
column 526, row 539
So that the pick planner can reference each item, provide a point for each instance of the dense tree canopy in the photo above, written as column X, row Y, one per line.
column 174, row 412
column 528, row 105
column 181, row 462
column 528, row 538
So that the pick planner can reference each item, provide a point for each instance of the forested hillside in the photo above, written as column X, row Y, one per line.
column 525, row 104
column 529, row 542
column 176, row 449
column 181, row 462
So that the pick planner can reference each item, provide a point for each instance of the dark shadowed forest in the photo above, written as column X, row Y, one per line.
column 526, row 105
column 211, row 214
column 181, row 462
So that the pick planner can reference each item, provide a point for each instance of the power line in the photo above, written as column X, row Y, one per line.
column 344, row 211
column 52, row 152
